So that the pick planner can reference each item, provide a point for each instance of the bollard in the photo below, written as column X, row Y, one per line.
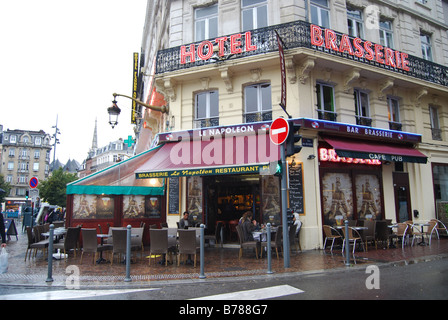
column 50, row 255
column 347, row 245
column 128, row 255
column 201, row 274
column 268, row 247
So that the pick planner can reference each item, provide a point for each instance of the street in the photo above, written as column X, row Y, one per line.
column 423, row 280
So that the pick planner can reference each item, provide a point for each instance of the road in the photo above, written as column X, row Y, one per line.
column 424, row 280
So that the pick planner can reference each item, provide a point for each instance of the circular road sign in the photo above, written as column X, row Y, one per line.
column 34, row 182
column 279, row 131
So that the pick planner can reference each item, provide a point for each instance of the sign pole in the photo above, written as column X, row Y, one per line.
column 286, row 260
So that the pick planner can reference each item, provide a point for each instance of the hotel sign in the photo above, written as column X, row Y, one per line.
column 224, row 46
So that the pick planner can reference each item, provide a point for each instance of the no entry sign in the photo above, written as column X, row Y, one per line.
column 34, row 182
column 279, row 131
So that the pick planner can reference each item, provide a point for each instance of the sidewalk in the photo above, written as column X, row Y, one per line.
column 219, row 263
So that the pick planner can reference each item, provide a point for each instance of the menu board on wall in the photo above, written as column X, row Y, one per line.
column 173, row 195
column 296, row 187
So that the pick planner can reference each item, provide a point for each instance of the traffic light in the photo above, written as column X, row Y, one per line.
column 290, row 216
column 27, row 194
column 275, row 168
column 293, row 137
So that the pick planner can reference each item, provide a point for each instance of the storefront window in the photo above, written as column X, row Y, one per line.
column 86, row 206
column 271, row 207
column 368, row 196
column 138, row 207
column 194, row 199
column 337, row 197
column 440, row 178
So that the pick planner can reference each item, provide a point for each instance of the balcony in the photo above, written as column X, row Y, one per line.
column 326, row 115
column 296, row 34
column 208, row 122
column 395, row 125
column 257, row 117
column 436, row 134
column 364, row 121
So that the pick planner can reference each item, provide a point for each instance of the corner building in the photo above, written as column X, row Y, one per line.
column 366, row 80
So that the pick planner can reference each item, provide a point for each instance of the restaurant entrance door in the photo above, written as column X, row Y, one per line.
column 227, row 198
column 402, row 197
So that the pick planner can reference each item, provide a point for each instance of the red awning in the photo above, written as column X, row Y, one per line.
column 214, row 156
column 375, row 151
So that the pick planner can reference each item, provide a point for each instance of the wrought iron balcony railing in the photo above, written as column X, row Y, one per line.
column 296, row 34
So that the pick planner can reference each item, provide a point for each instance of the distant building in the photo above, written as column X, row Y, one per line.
column 72, row 166
column 24, row 154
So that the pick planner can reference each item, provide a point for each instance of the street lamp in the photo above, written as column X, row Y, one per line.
column 114, row 111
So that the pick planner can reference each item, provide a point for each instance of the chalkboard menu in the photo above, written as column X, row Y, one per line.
column 296, row 187
column 173, row 195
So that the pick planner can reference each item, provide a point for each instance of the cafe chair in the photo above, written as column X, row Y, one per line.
column 118, row 243
column 382, row 233
column 159, row 244
column 70, row 241
column 292, row 237
column 432, row 228
column 331, row 234
column 440, row 227
column 368, row 235
column 34, row 245
column 137, row 242
column 187, row 244
column 215, row 236
column 276, row 243
column 352, row 236
column 90, row 244
column 401, row 233
column 246, row 244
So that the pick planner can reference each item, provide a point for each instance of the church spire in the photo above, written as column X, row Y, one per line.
column 95, row 137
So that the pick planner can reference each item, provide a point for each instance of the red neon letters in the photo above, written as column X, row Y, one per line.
column 236, row 47
column 356, row 47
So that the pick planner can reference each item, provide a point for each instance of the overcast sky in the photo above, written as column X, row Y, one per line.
column 64, row 59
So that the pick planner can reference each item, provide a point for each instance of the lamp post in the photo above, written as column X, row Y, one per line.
column 114, row 111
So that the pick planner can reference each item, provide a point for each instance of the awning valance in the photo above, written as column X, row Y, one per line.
column 119, row 179
column 375, row 151
column 213, row 156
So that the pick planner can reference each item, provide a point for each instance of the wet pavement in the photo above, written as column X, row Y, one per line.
column 219, row 263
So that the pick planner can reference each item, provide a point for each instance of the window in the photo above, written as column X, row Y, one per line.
column 36, row 154
column 425, row 40
column 12, row 152
column 320, row 13
column 13, row 139
column 257, row 102
column 362, row 108
column 36, row 166
column 325, row 102
column 355, row 23
column 38, row 141
column 207, row 109
column 206, row 22
column 386, row 34
column 393, row 106
column 435, row 125
column 255, row 14
column 10, row 165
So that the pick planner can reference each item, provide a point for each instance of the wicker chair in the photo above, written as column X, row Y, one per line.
column 71, row 240
column 331, row 234
column 187, row 244
column 90, row 244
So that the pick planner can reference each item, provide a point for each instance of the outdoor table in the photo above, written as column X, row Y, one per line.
column 101, row 236
column 422, row 243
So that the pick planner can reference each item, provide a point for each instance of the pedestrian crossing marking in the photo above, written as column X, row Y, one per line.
column 68, row 294
column 255, row 294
